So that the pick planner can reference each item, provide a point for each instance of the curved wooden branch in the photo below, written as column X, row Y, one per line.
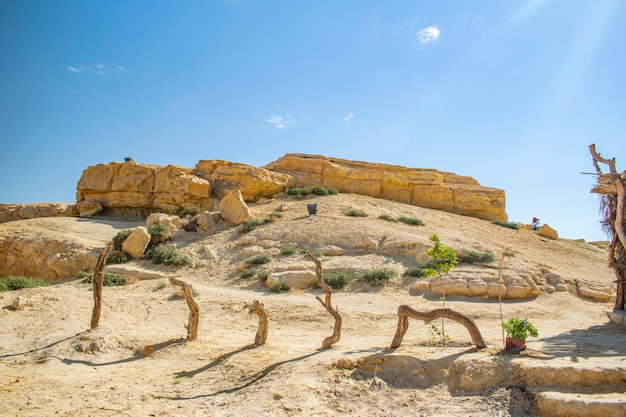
column 194, row 310
column 257, row 308
column 334, row 338
column 404, row 312
column 97, row 279
column 597, row 158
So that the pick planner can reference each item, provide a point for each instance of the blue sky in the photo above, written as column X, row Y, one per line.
column 511, row 93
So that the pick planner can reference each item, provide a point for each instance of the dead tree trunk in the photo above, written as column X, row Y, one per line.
column 612, row 189
column 334, row 338
column 194, row 310
column 97, row 279
column 257, row 308
column 404, row 312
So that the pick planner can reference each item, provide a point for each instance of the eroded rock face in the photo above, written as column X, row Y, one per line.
column 234, row 209
column 420, row 187
column 13, row 212
column 254, row 183
column 143, row 186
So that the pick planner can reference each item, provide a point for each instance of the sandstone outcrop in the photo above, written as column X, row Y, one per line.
column 428, row 188
column 13, row 212
column 234, row 209
column 143, row 186
column 254, row 183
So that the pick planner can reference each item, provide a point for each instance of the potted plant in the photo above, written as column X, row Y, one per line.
column 517, row 331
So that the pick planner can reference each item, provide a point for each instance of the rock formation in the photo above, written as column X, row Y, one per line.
column 428, row 188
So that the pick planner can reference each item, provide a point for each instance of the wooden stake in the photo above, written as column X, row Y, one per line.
column 194, row 310
column 257, row 308
column 334, row 338
column 96, row 281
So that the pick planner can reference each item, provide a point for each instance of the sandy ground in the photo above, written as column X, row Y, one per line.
column 137, row 363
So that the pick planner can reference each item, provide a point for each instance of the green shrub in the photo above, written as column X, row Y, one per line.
column 510, row 225
column 117, row 259
column 109, row 280
column 356, row 213
column 15, row 282
column 251, row 224
column 321, row 191
column 471, row 257
column 411, row 221
column 259, row 259
column 388, row 217
column 262, row 275
column 278, row 287
column 377, row 277
column 167, row 255
column 288, row 250
column 191, row 210
column 158, row 229
column 337, row 280
column 332, row 191
column 249, row 273
column 120, row 237
column 273, row 216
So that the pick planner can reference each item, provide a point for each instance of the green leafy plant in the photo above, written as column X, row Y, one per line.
column 519, row 329
column 332, row 191
column 251, row 224
column 120, row 237
column 377, row 277
column 472, row 257
column 259, row 259
column 509, row 225
column 249, row 273
column 17, row 282
column 108, row 280
column 300, row 192
column 278, row 287
column 273, row 217
column 388, row 218
column 421, row 269
column 356, row 213
column 158, row 229
column 262, row 275
column 117, row 259
column 167, row 255
column 411, row 221
column 191, row 210
column 288, row 250
column 321, row 191
column 337, row 280
column 435, row 336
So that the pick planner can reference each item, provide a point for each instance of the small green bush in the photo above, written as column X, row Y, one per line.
column 117, row 259
column 259, row 259
column 411, row 221
column 262, row 275
column 158, row 229
column 273, row 217
column 288, row 250
column 356, row 213
column 332, row 191
column 472, row 257
column 510, row 225
column 377, row 277
column 120, row 237
column 321, row 191
column 17, row 282
column 109, row 280
column 278, row 287
column 388, row 217
column 249, row 273
column 337, row 280
column 191, row 210
column 167, row 255
column 251, row 224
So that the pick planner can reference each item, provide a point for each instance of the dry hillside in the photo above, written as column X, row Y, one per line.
column 137, row 362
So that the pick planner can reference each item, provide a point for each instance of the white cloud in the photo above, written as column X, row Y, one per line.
column 348, row 117
column 98, row 69
column 281, row 122
column 428, row 34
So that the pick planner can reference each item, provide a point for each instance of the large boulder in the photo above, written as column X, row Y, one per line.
column 428, row 188
column 147, row 187
column 254, row 183
column 234, row 209
column 547, row 232
column 137, row 242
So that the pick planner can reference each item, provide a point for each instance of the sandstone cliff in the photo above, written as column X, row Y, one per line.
column 419, row 187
